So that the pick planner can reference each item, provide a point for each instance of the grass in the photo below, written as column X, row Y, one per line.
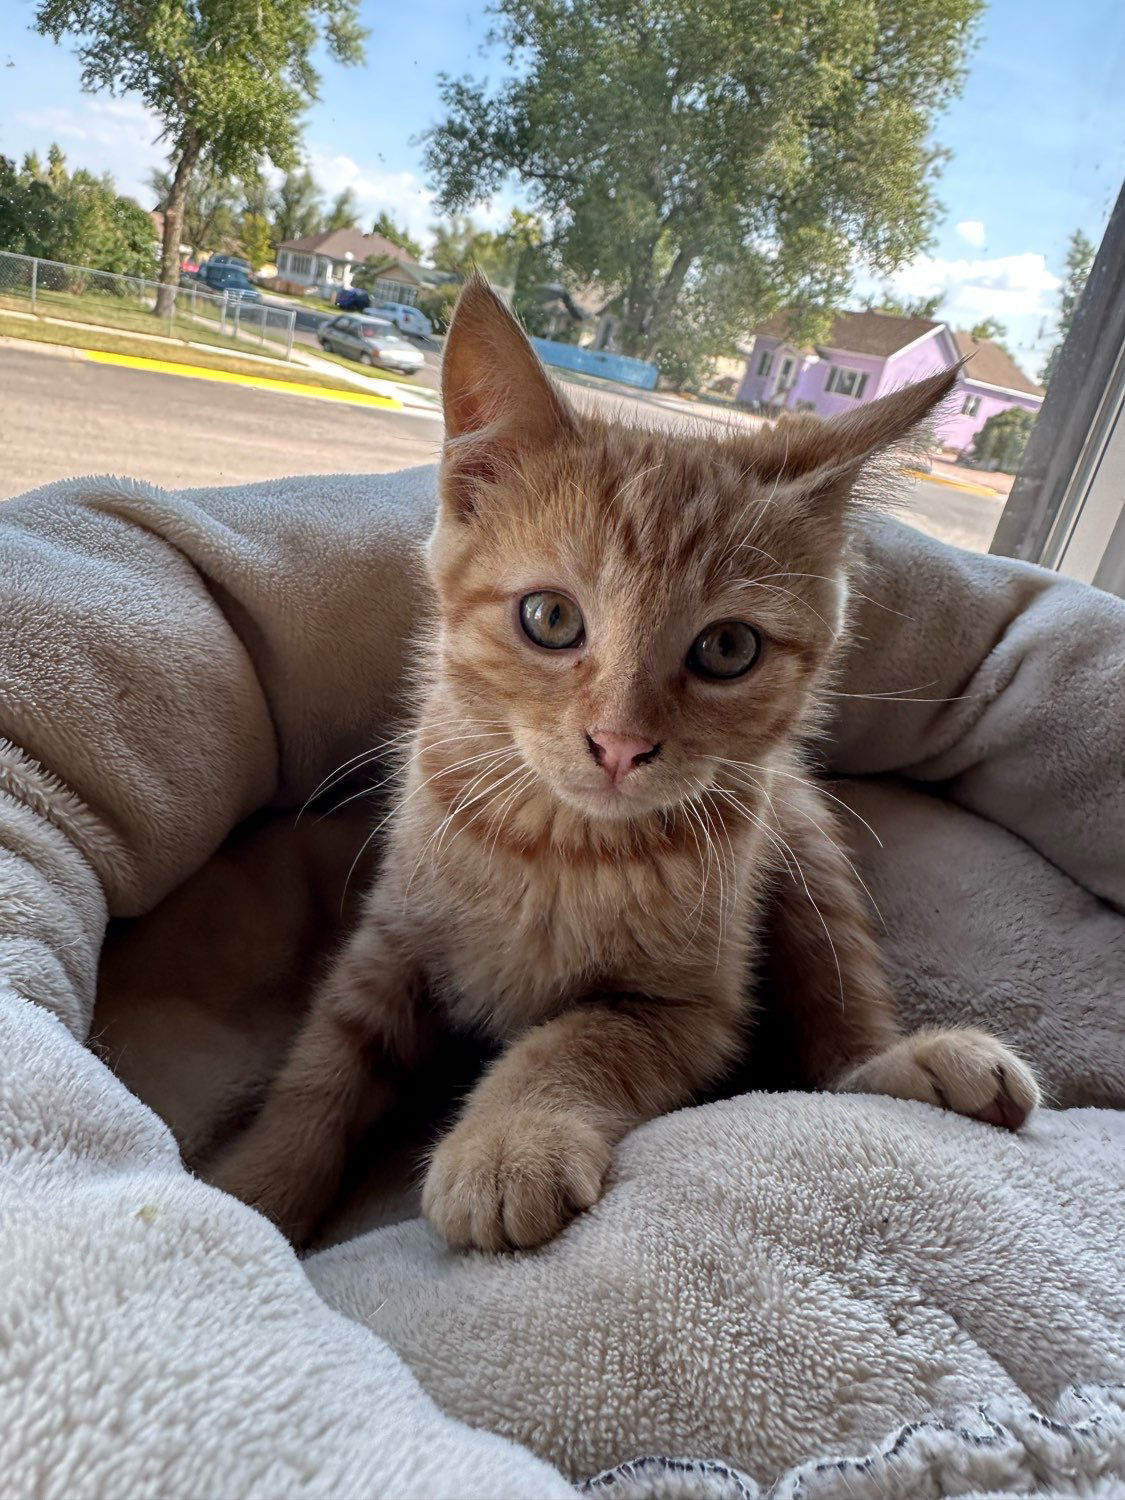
column 109, row 342
column 128, row 316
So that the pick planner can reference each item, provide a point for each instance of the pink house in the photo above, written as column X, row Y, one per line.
column 868, row 354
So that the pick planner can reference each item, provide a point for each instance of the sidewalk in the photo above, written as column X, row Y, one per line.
column 413, row 398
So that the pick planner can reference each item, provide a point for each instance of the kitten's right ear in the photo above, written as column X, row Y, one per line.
column 495, row 393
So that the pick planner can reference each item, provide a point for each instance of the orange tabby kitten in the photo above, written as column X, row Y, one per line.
column 604, row 792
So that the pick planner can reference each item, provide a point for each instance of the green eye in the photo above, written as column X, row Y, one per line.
column 727, row 649
column 552, row 621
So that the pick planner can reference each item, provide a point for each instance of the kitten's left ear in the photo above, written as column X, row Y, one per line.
column 827, row 456
column 496, row 395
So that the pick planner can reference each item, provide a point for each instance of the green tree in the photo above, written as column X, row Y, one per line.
column 683, row 148
column 227, row 79
column 387, row 227
column 438, row 302
column 461, row 246
column 1001, row 441
column 255, row 194
column 344, row 212
column 211, row 205
column 256, row 240
column 79, row 219
column 517, row 257
column 296, row 205
column 1079, row 259
column 991, row 329
column 56, row 166
column 910, row 307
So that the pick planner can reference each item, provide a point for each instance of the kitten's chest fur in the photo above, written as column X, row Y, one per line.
column 511, row 939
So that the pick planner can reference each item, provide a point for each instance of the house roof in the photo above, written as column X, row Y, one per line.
column 992, row 365
column 878, row 334
column 338, row 244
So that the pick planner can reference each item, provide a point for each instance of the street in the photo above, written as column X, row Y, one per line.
column 64, row 416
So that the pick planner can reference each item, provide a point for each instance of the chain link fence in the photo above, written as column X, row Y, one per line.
column 133, row 305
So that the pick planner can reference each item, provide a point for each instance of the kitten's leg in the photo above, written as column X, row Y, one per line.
column 533, row 1144
column 827, row 971
column 362, row 1032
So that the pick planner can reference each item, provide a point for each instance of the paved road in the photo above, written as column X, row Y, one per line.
column 60, row 416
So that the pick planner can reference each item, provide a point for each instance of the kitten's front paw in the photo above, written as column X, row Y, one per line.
column 968, row 1072
column 513, row 1180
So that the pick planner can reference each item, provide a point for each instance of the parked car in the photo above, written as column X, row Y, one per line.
column 239, row 261
column 231, row 281
column 372, row 341
column 353, row 299
column 406, row 319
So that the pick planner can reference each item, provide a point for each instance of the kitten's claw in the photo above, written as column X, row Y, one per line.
column 968, row 1072
column 513, row 1180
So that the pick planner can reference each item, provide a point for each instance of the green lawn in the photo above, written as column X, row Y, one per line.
column 130, row 315
column 109, row 342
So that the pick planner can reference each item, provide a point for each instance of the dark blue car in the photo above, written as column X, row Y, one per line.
column 353, row 299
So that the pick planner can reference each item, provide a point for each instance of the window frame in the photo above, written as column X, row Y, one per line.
column 765, row 364
column 837, row 372
column 1060, row 512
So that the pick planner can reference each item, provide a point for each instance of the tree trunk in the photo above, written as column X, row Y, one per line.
column 666, row 299
column 174, row 206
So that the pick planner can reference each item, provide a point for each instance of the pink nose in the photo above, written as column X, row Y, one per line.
column 618, row 754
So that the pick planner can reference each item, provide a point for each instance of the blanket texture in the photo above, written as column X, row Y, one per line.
column 772, row 1286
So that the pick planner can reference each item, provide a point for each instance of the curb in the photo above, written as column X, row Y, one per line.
column 956, row 484
column 229, row 377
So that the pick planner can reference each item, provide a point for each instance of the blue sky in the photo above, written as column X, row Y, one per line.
column 1038, row 138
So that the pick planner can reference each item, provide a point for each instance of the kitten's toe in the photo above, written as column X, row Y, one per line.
column 513, row 1180
column 968, row 1072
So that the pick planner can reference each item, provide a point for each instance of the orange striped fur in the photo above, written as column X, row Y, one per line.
column 603, row 932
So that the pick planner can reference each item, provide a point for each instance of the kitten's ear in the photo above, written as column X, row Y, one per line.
column 495, row 393
column 827, row 456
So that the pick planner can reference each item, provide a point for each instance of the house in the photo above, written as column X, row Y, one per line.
column 870, row 353
column 561, row 315
column 326, row 262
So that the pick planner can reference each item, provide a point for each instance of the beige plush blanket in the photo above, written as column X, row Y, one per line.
column 773, row 1286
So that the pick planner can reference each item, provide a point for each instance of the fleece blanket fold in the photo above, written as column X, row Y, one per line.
column 779, row 1293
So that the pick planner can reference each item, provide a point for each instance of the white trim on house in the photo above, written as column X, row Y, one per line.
column 921, row 339
column 1004, row 390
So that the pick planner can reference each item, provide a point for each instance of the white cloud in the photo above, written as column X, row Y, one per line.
column 1018, row 290
column 1004, row 286
column 118, row 136
column 400, row 194
column 972, row 231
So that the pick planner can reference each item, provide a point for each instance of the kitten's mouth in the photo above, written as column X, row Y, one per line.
column 613, row 801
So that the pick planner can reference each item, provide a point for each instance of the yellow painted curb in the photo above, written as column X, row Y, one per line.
column 229, row 377
column 955, row 484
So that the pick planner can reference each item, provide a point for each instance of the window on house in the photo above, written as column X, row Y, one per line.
column 299, row 264
column 765, row 364
column 842, row 382
column 786, row 373
column 971, row 406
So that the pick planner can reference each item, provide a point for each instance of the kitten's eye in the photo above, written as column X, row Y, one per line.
column 552, row 621
column 727, row 649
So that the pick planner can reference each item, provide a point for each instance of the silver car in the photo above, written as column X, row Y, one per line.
column 373, row 341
